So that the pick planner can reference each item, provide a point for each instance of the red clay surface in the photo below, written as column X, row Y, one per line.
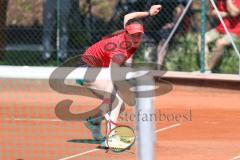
column 30, row 130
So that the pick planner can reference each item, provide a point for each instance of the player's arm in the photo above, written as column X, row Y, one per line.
column 232, row 8
column 154, row 10
column 223, row 14
column 118, row 59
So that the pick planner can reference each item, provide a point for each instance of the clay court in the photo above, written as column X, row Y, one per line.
column 210, row 130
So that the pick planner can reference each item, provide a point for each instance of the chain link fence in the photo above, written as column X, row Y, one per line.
column 47, row 32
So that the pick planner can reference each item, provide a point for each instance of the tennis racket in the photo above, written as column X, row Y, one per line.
column 120, row 138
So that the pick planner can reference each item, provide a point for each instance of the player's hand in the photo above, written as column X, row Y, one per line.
column 155, row 9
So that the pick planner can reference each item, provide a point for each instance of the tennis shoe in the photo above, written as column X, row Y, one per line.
column 104, row 145
column 95, row 128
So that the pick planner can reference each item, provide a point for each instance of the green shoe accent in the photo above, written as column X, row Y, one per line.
column 103, row 145
column 80, row 81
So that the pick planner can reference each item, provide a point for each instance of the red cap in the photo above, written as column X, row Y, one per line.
column 134, row 28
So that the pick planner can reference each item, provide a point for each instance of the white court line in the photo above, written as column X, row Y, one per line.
column 156, row 131
column 80, row 154
column 33, row 119
column 169, row 127
column 236, row 158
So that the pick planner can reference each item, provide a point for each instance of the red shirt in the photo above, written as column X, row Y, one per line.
column 232, row 23
column 100, row 53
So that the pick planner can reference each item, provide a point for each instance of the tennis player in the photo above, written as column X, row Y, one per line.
column 113, row 50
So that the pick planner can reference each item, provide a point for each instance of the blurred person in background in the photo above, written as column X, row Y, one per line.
column 158, row 28
column 49, row 21
column 3, row 18
column 230, row 12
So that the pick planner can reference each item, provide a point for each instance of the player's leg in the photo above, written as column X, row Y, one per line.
column 116, row 107
column 210, row 36
column 111, row 105
column 111, row 102
column 93, row 123
column 218, row 50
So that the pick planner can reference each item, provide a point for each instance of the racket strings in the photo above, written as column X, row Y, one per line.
column 121, row 141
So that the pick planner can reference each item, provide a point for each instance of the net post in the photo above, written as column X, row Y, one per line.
column 145, row 127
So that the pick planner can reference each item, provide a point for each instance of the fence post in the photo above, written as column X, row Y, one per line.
column 203, row 30
column 58, row 30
